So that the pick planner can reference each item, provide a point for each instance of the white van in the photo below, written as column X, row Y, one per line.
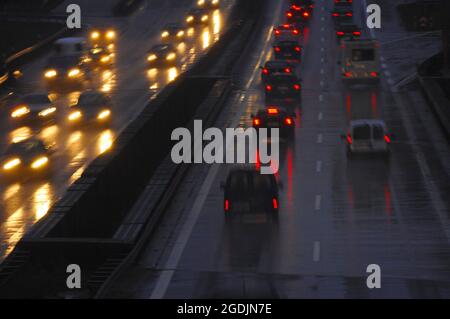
column 367, row 137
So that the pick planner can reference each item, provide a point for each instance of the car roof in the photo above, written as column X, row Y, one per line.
column 274, row 64
column 198, row 11
column 367, row 122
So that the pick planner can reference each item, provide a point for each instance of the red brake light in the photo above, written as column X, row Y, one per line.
column 335, row 14
column 275, row 203
column 286, row 26
column 340, row 33
column 272, row 111
column 373, row 74
column 277, row 32
column 295, row 31
column 265, row 71
column 288, row 121
column 298, row 49
column 289, row 15
column 287, row 70
column 387, row 139
column 297, row 87
column 347, row 74
column 277, row 49
column 268, row 88
column 256, row 122
column 358, row 33
column 349, row 139
column 305, row 14
column 349, row 14
column 227, row 205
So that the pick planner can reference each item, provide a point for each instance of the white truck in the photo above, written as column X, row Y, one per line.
column 360, row 60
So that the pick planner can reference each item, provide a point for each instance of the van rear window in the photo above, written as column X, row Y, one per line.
column 361, row 132
column 359, row 55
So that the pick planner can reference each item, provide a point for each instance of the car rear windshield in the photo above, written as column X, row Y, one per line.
column 363, row 55
column 378, row 132
column 361, row 132
column 89, row 99
column 283, row 80
column 238, row 185
column 36, row 99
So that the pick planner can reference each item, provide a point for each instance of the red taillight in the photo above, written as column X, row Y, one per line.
column 287, row 70
column 288, row 121
column 349, row 139
column 265, row 71
column 349, row 14
column 357, row 33
column 256, row 122
column 268, row 88
column 347, row 74
column 275, row 203
column 305, row 14
column 289, row 15
column 297, row 87
column 335, row 14
column 277, row 32
column 298, row 49
column 286, row 26
column 277, row 49
column 373, row 74
column 387, row 139
column 227, row 205
column 295, row 31
column 340, row 33
column 296, row 8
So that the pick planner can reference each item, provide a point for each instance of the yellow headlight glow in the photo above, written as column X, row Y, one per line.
column 152, row 57
column 47, row 111
column 205, row 18
column 73, row 73
column 95, row 35
column 171, row 56
column 180, row 33
column 105, row 59
column 19, row 112
column 51, row 74
column 11, row 164
column 165, row 34
column 104, row 114
column 41, row 161
column 75, row 116
column 111, row 35
column 190, row 19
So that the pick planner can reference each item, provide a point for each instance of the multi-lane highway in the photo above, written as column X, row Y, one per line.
column 337, row 216
column 129, row 82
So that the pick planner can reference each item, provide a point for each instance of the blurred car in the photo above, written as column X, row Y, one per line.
column 104, row 37
column 197, row 16
column 274, row 68
column 162, row 55
column 367, row 137
column 288, row 50
column 248, row 192
column 275, row 117
column 342, row 15
column 100, row 57
column 173, row 32
column 343, row 3
column 33, row 109
column 348, row 31
column 4, row 73
column 298, row 16
column 64, row 71
column 28, row 158
column 286, row 31
column 208, row 4
column 92, row 108
column 283, row 87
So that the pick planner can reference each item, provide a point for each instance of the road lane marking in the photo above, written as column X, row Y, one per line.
column 319, row 138
column 322, row 83
column 319, row 166
column 316, row 251
column 321, row 97
column 318, row 202
column 320, row 116
column 322, row 71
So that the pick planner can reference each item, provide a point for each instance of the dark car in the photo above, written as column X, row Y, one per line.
column 275, row 117
column 100, row 57
column 342, row 15
column 197, row 16
column 247, row 191
column 283, row 87
column 29, row 158
column 63, row 71
column 275, row 68
column 208, row 4
column 93, row 108
column 162, row 55
column 288, row 50
column 173, row 32
column 302, row 5
column 33, row 109
column 298, row 16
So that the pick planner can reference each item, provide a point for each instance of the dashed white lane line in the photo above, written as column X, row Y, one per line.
column 322, row 49
column 322, row 83
column 319, row 139
column 320, row 116
column 322, row 39
column 319, row 166
column 316, row 251
column 322, row 19
column 318, row 202
column 322, row 71
column 321, row 97
column 322, row 60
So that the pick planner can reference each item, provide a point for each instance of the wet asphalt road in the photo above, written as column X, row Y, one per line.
column 337, row 216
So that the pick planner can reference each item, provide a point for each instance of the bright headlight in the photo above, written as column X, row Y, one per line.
column 11, row 164
column 38, row 163
column 51, row 74
column 104, row 114
column 190, row 19
column 215, row 2
column 21, row 111
column 75, row 116
column 95, row 35
column 111, row 35
column 152, row 57
column 171, row 56
column 165, row 34
column 180, row 33
column 105, row 59
column 201, row 2
column 47, row 111
column 205, row 18
column 73, row 73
